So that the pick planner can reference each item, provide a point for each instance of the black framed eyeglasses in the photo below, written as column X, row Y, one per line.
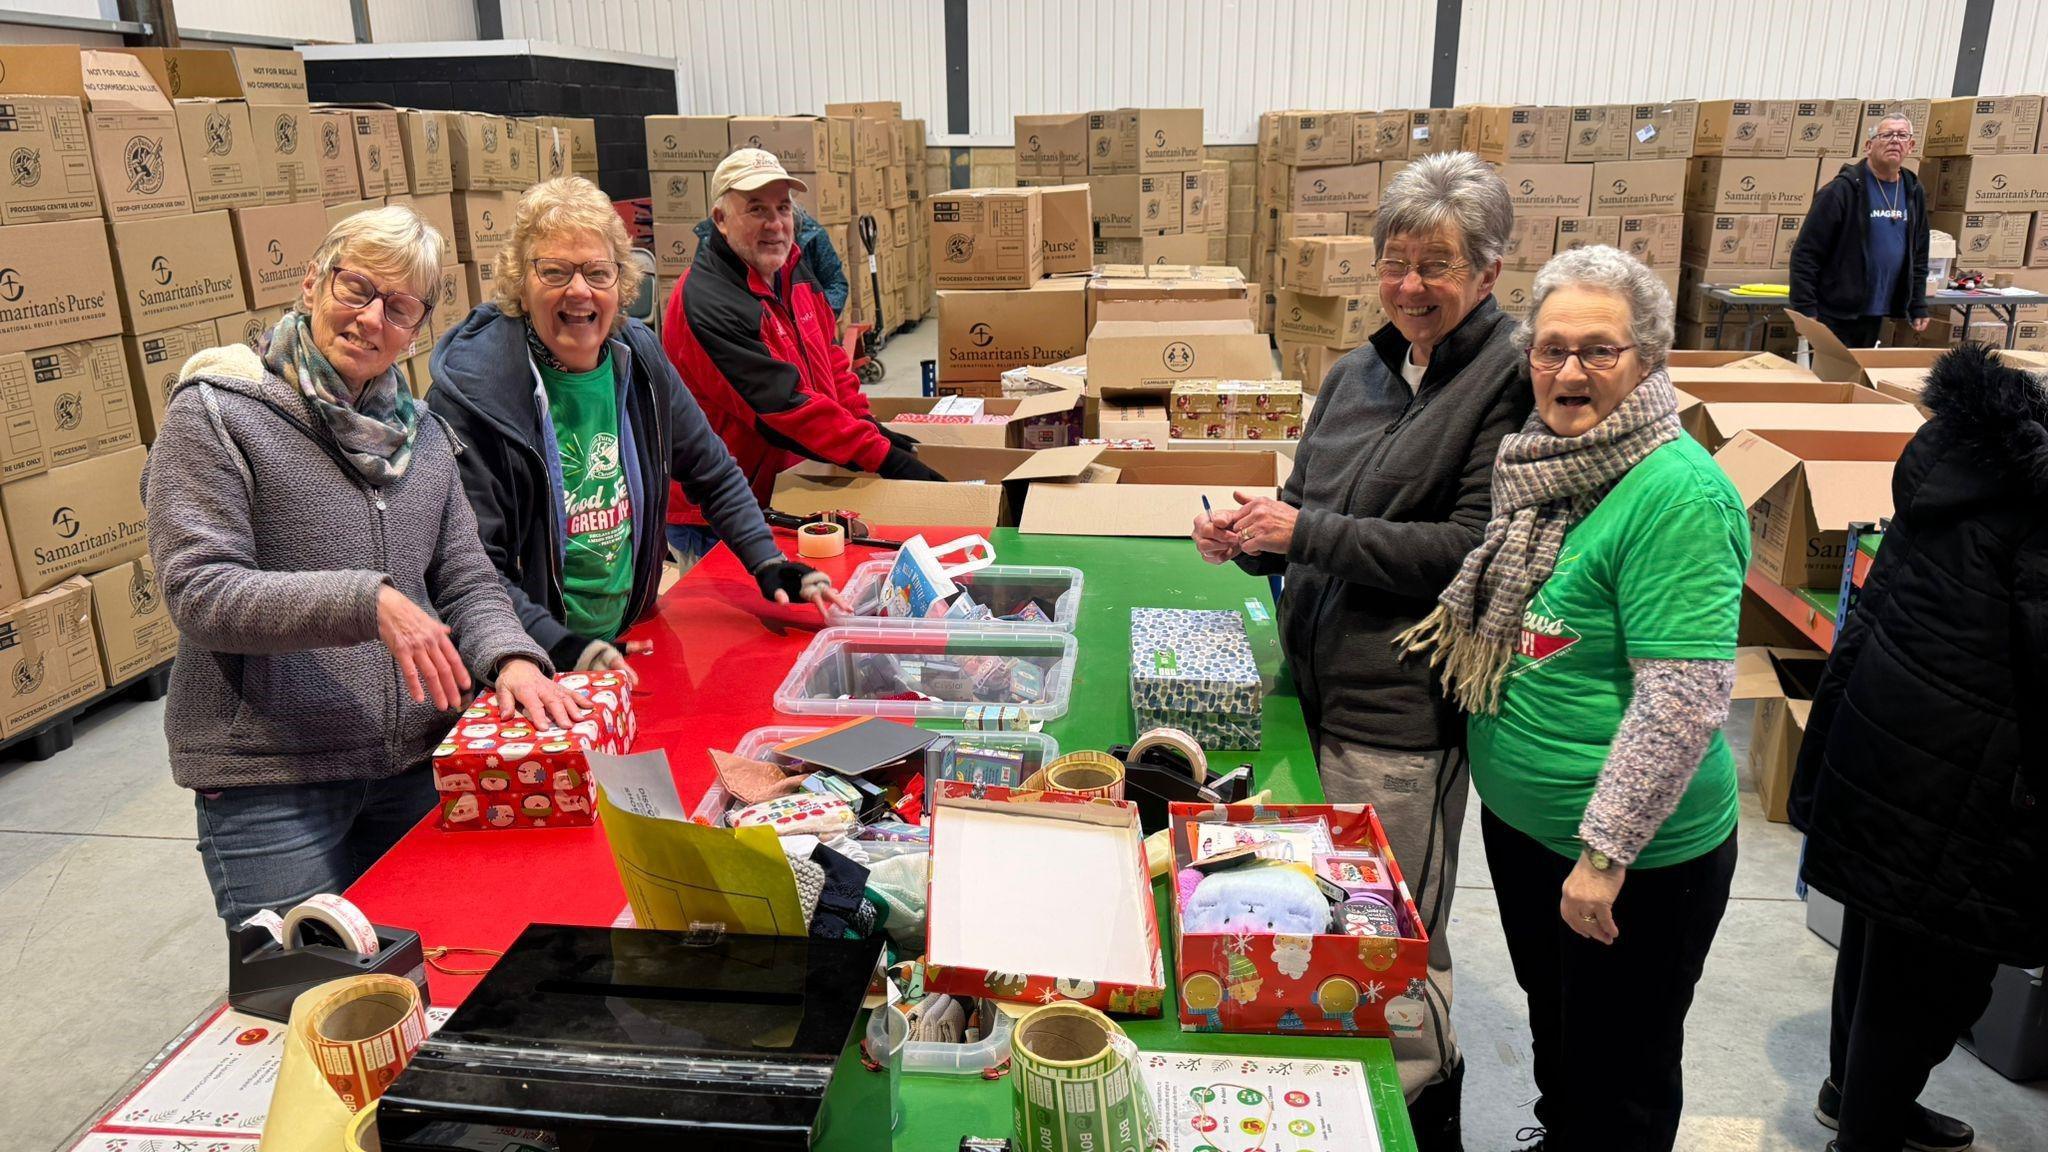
column 599, row 274
column 1431, row 271
column 1893, row 137
column 1592, row 357
column 354, row 290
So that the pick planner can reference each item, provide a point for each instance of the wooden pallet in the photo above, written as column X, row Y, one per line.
column 56, row 734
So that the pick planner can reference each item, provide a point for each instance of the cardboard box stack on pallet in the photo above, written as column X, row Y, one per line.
column 1320, row 174
column 1154, row 195
column 104, row 253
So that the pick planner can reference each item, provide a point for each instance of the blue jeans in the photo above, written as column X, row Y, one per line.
column 689, row 543
column 271, row 847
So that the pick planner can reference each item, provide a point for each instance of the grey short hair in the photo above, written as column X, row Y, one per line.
column 1606, row 269
column 1455, row 188
column 1878, row 125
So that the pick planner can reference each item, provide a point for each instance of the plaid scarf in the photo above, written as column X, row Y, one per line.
column 376, row 430
column 1543, row 484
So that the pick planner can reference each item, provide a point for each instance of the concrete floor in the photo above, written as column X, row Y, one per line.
column 109, row 945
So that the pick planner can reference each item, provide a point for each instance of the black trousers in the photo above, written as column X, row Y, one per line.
column 1607, row 1022
column 1901, row 999
column 1857, row 332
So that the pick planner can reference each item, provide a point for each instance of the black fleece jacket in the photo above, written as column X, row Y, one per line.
column 1394, row 490
column 1923, row 777
column 1828, row 276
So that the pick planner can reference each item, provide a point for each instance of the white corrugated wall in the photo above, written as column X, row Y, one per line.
column 645, row 27
column 295, row 19
column 764, row 57
column 394, row 21
column 1615, row 51
column 2016, row 52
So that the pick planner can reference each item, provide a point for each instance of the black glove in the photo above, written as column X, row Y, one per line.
column 898, row 439
column 901, row 464
column 789, row 576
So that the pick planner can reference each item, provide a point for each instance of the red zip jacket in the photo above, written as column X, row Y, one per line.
column 764, row 367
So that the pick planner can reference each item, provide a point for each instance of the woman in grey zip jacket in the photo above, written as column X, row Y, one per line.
column 1391, row 488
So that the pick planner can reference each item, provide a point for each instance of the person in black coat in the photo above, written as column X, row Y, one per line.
column 1925, row 760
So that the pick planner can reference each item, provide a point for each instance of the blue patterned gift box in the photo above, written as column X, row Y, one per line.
column 1194, row 671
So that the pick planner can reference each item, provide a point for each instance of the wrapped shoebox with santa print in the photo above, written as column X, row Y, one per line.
column 494, row 773
column 1194, row 670
column 1368, row 979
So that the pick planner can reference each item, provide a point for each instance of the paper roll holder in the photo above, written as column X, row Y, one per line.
column 264, row 976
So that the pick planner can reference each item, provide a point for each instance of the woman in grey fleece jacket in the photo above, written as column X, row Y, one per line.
column 323, row 567
column 1390, row 489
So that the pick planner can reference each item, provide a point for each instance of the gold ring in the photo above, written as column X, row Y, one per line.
column 1588, row 917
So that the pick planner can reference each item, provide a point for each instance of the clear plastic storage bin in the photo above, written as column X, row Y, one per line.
column 1000, row 586
column 864, row 664
column 973, row 1059
column 1039, row 750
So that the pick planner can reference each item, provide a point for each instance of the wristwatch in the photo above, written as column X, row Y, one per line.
column 1598, row 859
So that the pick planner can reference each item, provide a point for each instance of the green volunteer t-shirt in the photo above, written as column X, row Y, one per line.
column 597, row 574
column 1653, row 573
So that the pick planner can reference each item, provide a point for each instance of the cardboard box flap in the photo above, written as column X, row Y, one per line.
column 192, row 73
column 41, row 70
column 1757, row 671
column 1844, row 491
column 1729, row 419
column 118, row 81
column 271, row 75
column 1195, row 327
column 1048, row 403
column 1831, row 358
column 1117, row 509
column 891, row 502
column 1755, row 465
column 1689, row 377
column 1200, row 468
column 1057, row 463
column 1866, row 447
column 1738, row 390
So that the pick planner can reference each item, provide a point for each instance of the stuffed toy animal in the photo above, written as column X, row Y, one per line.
column 1264, row 900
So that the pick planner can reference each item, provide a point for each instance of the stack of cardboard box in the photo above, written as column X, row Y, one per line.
column 1987, row 186
column 102, row 249
column 682, row 153
column 1010, row 268
column 1154, row 197
column 884, row 155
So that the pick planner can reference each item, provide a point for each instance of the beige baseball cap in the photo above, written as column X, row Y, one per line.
column 748, row 169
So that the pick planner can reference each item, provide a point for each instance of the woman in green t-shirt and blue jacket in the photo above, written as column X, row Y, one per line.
column 1591, row 638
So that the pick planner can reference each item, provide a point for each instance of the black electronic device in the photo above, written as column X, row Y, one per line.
column 610, row 1039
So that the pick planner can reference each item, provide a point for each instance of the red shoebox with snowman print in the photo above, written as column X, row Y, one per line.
column 494, row 773
column 1327, row 983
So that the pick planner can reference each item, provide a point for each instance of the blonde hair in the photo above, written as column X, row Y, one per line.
column 558, row 207
column 395, row 242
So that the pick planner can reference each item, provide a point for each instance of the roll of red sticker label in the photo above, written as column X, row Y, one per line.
column 339, row 916
column 361, row 1032
column 1086, row 773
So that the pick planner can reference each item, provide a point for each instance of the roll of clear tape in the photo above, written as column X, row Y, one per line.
column 820, row 541
column 1086, row 773
column 1180, row 742
column 335, row 914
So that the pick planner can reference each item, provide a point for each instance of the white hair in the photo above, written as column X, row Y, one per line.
column 1605, row 269
column 1455, row 188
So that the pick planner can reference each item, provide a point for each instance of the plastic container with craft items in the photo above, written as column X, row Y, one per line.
column 1037, row 748
column 1000, row 587
column 491, row 773
column 930, row 673
column 979, row 1058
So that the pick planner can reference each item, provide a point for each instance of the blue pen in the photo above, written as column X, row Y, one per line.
column 1205, row 504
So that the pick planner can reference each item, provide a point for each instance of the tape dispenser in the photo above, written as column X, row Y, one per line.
column 1167, row 766
column 273, row 958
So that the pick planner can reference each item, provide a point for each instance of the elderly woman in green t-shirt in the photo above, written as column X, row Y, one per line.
column 1591, row 637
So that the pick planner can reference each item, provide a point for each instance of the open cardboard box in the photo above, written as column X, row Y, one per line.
column 1153, row 356
column 1020, row 414
column 1153, row 493
column 1782, row 681
column 1041, row 896
column 985, row 487
column 1684, row 378
column 1833, row 360
column 1803, row 490
column 1326, row 983
column 1731, row 358
column 1715, row 424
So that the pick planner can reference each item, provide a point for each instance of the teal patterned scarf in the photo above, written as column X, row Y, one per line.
column 377, row 430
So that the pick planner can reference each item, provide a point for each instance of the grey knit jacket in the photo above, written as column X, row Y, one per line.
column 271, row 554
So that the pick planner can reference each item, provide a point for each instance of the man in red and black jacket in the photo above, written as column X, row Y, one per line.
column 751, row 334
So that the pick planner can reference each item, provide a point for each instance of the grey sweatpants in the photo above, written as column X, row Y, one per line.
column 1420, row 799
